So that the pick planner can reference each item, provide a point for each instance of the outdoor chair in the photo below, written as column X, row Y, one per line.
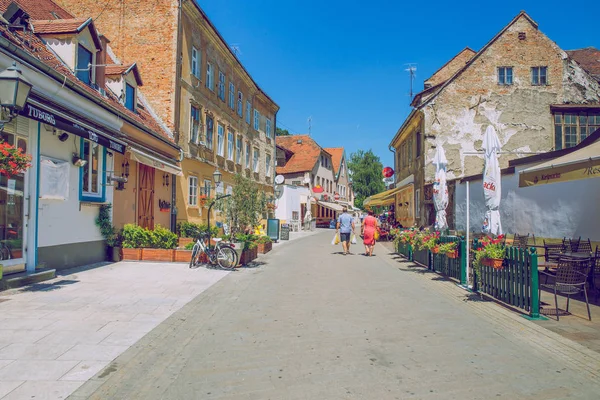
column 585, row 247
column 521, row 241
column 553, row 252
column 572, row 245
column 596, row 273
column 570, row 278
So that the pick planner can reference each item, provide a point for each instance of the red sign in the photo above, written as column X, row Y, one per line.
column 318, row 189
column 336, row 196
column 387, row 172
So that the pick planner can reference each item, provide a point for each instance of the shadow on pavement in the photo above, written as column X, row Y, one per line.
column 47, row 287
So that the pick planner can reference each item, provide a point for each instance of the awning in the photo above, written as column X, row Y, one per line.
column 154, row 161
column 580, row 164
column 381, row 199
column 43, row 113
column 331, row 206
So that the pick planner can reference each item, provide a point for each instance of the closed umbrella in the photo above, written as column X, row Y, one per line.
column 491, row 183
column 440, row 189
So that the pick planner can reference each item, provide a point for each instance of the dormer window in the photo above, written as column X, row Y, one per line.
column 130, row 97
column 84, row 61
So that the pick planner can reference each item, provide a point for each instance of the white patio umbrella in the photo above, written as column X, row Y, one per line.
column 440, row 189
column 491, row 182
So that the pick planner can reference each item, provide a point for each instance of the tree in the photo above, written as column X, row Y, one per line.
column 281, row 132
column 366, row 175
column 245, row 206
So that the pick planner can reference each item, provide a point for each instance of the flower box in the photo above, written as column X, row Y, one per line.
column 183, row 256
column 452, row 254
column 248, row 255
column 264, row 248
column 158, row 255
column 183, row 241
column 132, row 254
column 496, row 263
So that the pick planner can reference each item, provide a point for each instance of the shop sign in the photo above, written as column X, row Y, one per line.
column 46, row 117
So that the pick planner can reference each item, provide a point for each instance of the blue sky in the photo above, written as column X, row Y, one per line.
column 343, row 62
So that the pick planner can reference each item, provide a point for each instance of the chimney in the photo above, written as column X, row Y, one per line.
column 101, row 59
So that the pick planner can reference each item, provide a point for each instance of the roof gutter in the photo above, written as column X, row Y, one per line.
column 62, row 79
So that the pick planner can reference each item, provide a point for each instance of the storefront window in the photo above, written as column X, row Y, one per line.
column 11, row 207
column 92, row 171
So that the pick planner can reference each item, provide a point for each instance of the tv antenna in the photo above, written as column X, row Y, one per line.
column 309, row 125
column 235, row 47
column 412, row 69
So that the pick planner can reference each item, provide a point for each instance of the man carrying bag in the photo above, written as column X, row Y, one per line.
column 345, row 226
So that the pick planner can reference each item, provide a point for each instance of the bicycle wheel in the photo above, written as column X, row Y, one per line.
column 195, row 255
column 226, row 257
column 4, row 252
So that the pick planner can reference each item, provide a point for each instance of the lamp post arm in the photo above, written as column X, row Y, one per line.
column 209, row 209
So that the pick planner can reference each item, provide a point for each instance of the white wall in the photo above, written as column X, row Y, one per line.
column 62, row 222
column 556, row 210
column 290, row 201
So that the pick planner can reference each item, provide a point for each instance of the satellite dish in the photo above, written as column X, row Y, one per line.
column 279, row 179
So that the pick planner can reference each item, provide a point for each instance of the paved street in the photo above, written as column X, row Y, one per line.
column 310, row 324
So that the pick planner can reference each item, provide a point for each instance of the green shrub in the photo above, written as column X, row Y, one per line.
column 135, row 237
column 162, row 238
column 190, row 230
column 263, row 239
column 190, row 246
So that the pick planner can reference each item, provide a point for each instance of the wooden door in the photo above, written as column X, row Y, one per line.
column 146, row 197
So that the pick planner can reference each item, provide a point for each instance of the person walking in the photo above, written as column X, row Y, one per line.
column 368, row 229
column 345, row 226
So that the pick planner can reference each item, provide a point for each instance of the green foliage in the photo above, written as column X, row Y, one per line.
column 190, row 230
column 135, row 237
column 190, row 245
column 245, row 206
column 367, row 179
column 108, row 231
column 281, row 132
column 247, row 239
column 446, row 248
column 263, row 239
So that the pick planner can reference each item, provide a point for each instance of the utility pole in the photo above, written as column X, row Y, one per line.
column 412, row 69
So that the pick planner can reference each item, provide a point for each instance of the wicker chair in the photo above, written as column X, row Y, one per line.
column 553, row 252
column 521, row 241
column 572, row 244
column 585, row 247
column 596, row 275
column 570, row 278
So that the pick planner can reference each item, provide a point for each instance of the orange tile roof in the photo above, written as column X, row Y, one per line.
column 306, row 154
column 38, row 9
column 58, row 25
column 589, row 59
column 116, row 69
column 336, row 157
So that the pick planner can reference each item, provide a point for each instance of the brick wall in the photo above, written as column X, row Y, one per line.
column 451, row 67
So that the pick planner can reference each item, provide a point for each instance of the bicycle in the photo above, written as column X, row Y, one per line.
column 221, row 253
column 5, row 253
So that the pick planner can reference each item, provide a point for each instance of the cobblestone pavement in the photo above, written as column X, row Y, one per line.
column 312, row 324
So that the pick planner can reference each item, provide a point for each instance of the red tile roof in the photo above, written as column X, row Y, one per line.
column 118, row 70
column 37, row 49
column 306, row 153
column 38, row 9
column 58, row 25
column 336, row 157
column 589, row 59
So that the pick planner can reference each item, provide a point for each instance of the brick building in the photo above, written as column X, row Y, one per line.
column 537, row 96
column 218, row 114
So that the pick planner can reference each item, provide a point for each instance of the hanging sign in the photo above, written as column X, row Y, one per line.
column 49, row 118
column 387, row 172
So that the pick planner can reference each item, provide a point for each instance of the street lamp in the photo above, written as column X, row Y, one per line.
column 217, row 176
column 14, row 91
column 277, row 191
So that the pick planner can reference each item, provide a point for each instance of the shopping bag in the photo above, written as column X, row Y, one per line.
column 353, row 241
column 336, row 239
column 376, row 234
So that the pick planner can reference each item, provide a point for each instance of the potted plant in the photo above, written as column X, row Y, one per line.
column 490, row 252
column 135, row 238
column 12, row 160
column 162, row 245
column 265, row 244
column 449, row 249
column 109, row 233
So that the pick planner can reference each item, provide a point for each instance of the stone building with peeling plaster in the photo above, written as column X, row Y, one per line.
column 537, row 96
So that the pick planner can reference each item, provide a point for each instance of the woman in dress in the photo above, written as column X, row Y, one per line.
column 368, row 228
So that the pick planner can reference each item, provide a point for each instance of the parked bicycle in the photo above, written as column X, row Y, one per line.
column 222, row 254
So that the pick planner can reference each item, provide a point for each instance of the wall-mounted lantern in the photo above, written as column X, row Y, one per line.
column 14, row 91
column 125, row 169
column 165, row 180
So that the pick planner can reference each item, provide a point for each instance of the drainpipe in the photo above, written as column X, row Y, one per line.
column 393, row 150
column 177, row 113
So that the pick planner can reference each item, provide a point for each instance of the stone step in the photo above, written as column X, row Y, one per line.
column 25, row 278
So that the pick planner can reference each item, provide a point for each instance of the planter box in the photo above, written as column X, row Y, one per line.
column 183, row 256
column 264, row 248
column 182, row 242
column 248, row 255
column 158, row 255
column 132, row 254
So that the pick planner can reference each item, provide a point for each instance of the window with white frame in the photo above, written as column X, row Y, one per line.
column 92, row 171
column 231, row 95
column 230, row 145
column 240, row 104
column 539, row 76
column 268, row 127
column 207, row 187
column 505, row 76
column 192, row 191
column 220, row 140
column 209, row 132
column 255, row 160
column 268, row 165
column 256, row 119
column 210, row 83
column 195, row 62
column 247, row 154
column 238, row 149
column 248, row 111
column 194, row 124
column 222, row 86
